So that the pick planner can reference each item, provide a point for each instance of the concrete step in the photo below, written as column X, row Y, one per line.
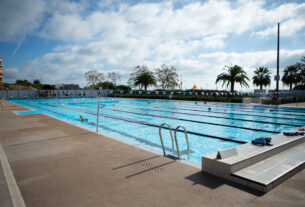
column 247, row 155
column 272, row 171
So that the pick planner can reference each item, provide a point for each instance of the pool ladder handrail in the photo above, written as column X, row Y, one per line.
column 175, row 136
column 161, row 139
column 186, row 138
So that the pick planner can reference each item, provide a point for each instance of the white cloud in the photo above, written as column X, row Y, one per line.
column 120, row 35
column 19, row 18
column 70, row 66
column 74, row 21
column 215, row 41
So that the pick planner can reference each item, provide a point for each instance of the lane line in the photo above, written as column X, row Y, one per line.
column 16, row 196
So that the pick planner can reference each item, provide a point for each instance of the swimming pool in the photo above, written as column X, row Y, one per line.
column 211, row 126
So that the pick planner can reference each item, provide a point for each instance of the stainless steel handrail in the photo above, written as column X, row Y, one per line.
column 98, row 111
column 187, row 141
column 161, row 139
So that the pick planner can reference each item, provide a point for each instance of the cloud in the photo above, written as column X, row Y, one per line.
column 291, row 20
column 204, row 70
column 70, row 66
column 77, row 21
column 111, row 35
column 19, row 18
column 215, row 41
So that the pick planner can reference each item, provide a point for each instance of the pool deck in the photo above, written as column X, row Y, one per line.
column 58, row 164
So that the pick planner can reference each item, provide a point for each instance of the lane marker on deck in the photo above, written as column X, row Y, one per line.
column 16, row 196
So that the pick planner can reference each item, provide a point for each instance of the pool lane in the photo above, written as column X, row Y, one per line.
column 253, row 116
column 204, row 115
column 217, row 111
column 138, row 121
column 254, row 111
column 217, row 127
column 127, row 120
column 214, row 130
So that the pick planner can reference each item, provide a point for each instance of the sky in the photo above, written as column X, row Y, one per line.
column 60, row 40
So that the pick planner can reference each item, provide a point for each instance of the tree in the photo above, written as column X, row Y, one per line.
column 138, row 70
column 105, row 85
column 94, row 77
column 48, row 87
column 302, row 71
column 234, row 74
column 37, row 84
column 23, row 82
column 262, row 77
column 123, row 87
column 167, row 76
column 145, row 79
column 291, row 75
column 114, row 77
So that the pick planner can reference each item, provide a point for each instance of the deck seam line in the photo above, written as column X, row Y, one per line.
column 16, row 196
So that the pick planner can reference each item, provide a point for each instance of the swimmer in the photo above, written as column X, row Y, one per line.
column 82, row 118
column 196, row 102
column 271, row 110
column 209, row 109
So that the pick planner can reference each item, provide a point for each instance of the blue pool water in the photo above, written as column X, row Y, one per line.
column 137, row 120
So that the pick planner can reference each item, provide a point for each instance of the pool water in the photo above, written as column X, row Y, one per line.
column 211, row 126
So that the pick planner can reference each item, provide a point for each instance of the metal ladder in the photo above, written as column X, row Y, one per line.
column 161, row 139
column 171, row 135
column 186, row 138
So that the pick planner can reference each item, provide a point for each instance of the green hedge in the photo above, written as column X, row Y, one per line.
column 230, row 99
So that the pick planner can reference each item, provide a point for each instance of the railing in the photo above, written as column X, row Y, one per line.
column 161, row 139
column 186, row 138
column 176, row 141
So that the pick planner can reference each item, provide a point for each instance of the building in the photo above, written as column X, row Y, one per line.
column 1, row 71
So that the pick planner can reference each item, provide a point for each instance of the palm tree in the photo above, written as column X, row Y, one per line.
column 262, row 77
column 145, row 79
column 234, row 74
column 291, row 76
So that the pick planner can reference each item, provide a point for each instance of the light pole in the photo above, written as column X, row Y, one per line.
column 181, row 82
column 278, row 61
column 40, row 73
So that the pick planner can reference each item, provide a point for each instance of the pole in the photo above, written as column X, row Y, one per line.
column 181, row 82
column 98, row 109
column 278, row 61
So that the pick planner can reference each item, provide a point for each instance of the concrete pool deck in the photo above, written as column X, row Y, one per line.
column 58, row 164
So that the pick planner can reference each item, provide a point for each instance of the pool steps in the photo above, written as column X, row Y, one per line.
column 260, row 167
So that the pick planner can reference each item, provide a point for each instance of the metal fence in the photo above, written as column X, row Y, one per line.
column 281, row 93
column 46, row 93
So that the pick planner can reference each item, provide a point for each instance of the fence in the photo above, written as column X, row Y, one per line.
column 46, row 93
column 281, row 93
